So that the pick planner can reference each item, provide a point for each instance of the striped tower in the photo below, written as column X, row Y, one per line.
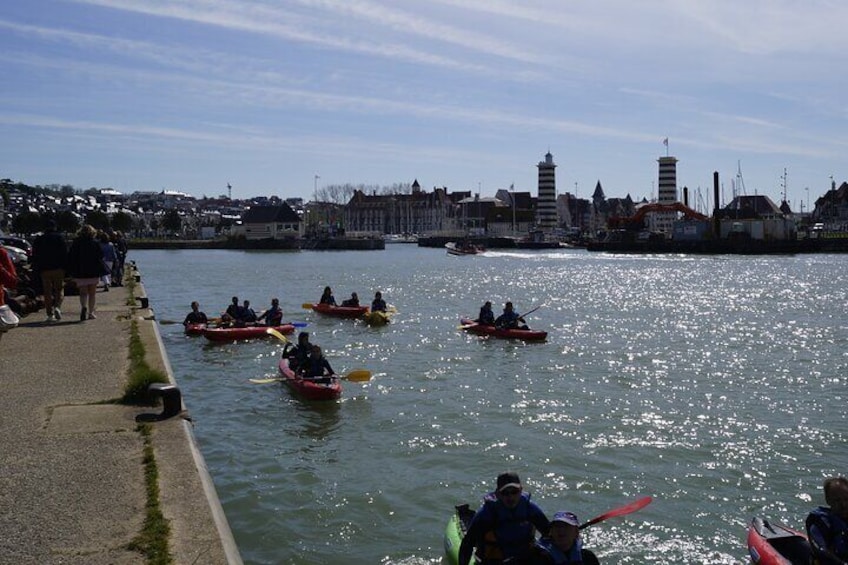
column 546, row 211
column 667, row 193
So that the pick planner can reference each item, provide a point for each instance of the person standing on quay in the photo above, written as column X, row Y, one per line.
column 85, row 265
column 49, row 255
column 109, row 258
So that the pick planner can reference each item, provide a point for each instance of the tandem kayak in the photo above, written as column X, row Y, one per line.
column 515, row 333
column 247, row 332
column 318, row 388
column 458, row 525
column 770, row 543
column 340, row 311
column 377, row 318
column 194, row 329
column 455, row 531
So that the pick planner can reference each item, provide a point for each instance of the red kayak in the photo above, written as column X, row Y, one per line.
column 770, row 543
column 484, row 329
column 195, row 329
column 317, row 388
column 340, row 311
column 247, row 332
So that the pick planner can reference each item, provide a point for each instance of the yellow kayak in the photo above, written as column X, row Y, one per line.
column 377, row 318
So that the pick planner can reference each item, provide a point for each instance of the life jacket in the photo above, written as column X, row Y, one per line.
column 574, row 556
column 510, row 533
column 835, row 532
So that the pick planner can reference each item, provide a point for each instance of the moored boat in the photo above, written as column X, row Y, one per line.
column 770, row 543
column 504, row 333
column 464, row 248
column 340, row 311
column 246, row 332
column 317, row 388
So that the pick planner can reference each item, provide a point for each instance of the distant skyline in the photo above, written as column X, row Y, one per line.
column 193, row 95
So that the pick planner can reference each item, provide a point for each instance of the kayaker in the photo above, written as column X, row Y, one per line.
column 317, row 365
column 563, row 545
column 246, row 315
column 327, row 297
column 353, row 301
column 504, row 527
column 232, row 313
column 827, row 526
column 195, row 316
column 273, row 316
column 486, row 316
column 378, row 304
column 299, row 354
column 509, row 319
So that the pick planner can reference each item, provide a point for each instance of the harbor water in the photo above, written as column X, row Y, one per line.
column 715, row 384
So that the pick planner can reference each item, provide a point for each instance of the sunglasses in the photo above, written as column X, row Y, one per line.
column 510, row 492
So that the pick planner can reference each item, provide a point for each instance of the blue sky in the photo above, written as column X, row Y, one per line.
column 470, row 94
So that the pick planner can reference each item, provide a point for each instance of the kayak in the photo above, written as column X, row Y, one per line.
column 318, row 388
column 458, row 525
column 377, row 318
column 514, row 333
column 194, row 329
column 455, row 531
column 340, row 311
column 770, row 543
column 247, row 332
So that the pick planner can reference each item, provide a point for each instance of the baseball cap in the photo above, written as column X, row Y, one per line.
column 509, row 479
column 566, row 518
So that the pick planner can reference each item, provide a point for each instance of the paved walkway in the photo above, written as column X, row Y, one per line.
column 71, row 477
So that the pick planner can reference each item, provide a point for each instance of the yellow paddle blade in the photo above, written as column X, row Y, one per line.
column 358, row 375
column 306, row 305
column 391, row 309
column 266, row 381
column 278, row 335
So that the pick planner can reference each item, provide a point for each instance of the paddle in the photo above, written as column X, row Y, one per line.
column 307, row 305
column 278, row 335
column 170, row 322
column 356, row 376
column 620, row 511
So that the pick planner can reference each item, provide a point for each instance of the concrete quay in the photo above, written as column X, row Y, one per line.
column 72, row 483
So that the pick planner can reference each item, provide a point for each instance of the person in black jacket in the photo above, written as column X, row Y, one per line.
column 49, row 255
column 85, row 265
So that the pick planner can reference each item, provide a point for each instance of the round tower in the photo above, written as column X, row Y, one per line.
column 546, row 211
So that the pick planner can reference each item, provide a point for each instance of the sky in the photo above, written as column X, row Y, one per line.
column 278, row 97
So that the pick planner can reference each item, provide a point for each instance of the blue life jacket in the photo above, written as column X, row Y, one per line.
column 574, row 556
column 832, row 531
column 510, row 533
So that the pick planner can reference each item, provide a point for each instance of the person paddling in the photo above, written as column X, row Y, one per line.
column 509, row 319
column 298, row 355
column 503, row 529
column 378, row 304
column 273, row 316
column 195, row 316
column 353, row 301
column 317, row 365
column 486, row 316
column 327, row 297
column 563, row 544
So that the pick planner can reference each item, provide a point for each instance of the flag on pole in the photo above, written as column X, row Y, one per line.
column 665, row 142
